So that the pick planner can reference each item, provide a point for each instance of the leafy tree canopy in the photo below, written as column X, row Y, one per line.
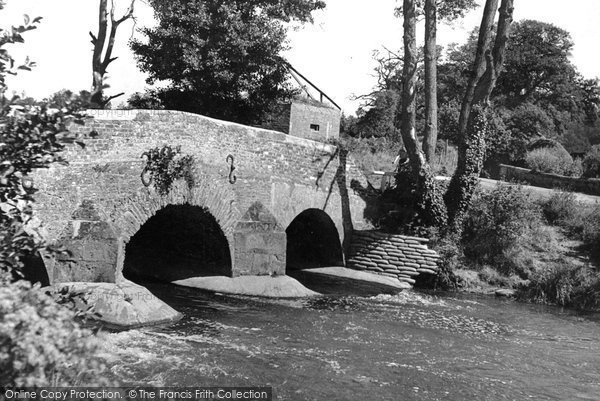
column 222, row 59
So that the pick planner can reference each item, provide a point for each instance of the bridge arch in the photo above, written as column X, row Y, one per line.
column 313, row 241
column 209, row 203
column 178, row 242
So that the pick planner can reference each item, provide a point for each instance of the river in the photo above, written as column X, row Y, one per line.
column 410, row 346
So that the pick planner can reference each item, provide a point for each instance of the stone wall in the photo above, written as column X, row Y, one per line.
column 278, row 119
column 392, row 255
column 587, row 186
column 285, row 174
column 304, row 115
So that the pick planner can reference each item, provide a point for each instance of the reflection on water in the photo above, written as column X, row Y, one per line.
column 409, row 346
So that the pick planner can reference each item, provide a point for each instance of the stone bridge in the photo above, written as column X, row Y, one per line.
column 288, row 206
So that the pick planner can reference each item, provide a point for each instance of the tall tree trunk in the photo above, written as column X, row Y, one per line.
column 431, row 203
column 471, row 152
column 431, row 104
column 479, row 66
column 105, row 39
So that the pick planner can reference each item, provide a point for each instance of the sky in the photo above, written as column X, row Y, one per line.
column 335, row 52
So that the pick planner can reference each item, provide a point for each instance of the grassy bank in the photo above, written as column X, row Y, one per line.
column 547, row 252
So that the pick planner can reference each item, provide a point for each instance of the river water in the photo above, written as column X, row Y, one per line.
column 410, row 346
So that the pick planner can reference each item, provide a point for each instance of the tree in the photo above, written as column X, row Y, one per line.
column 473, row 119
column 430, row 202
column 104, row 42
column 222, row 59
column 472, row 123
column 65, row 98
column 539, row 81
column 431, row 102
column 449, row 10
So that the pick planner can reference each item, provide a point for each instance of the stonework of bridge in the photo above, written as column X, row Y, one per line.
column 286, row 203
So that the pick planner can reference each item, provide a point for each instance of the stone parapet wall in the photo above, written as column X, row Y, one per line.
column 587, row 186
column 392, row 255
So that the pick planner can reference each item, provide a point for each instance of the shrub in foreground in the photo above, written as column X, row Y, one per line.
column 41, row 343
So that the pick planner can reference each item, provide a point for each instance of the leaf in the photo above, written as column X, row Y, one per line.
column 81, row 144
column 37, row 19
column 26, row 19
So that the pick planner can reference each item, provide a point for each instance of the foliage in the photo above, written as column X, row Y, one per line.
column 564, row 285
column 448, row 10
column 552, row 161
column 581, row 221
column 379, row 120
column 451, row 259
column 372, row 154
column 14, row 35
column 223, row 59
column 591, row 163
column 494, row 224
column 67, row 99
column 30, row 138
column 166, row 165
column 41, row 344
column 540, row 94
column 560, row 207
column 446, row 160
column 147, row 100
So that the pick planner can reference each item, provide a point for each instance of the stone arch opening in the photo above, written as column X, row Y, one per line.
column 313, row 241
column 178, row 242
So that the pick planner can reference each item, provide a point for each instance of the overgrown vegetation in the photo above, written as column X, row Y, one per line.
column 553, row 161
column 165, row 166
column 41, row 343
column 512, row 241
column 591, row 163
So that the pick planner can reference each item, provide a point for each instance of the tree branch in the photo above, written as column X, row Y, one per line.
column 107, row 100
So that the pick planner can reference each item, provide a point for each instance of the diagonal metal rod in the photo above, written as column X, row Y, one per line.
column 323, row 94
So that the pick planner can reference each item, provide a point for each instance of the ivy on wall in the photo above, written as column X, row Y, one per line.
column 166, row 165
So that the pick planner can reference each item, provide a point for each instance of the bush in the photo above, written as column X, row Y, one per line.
column 561, row 207
column 451, row 259
column 564, row 285
column 41, row 344
column 551, row 161
column 591, row 163
column 495, row 223
column 580, row 220
column 372, row 154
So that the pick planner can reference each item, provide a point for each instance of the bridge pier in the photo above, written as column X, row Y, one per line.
column 91, row 250
column 259, row 244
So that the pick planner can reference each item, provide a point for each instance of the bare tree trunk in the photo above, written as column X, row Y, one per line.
column 479, row 66
column 431, row 203
column 431, row 104
column 105, row 39
column 471, row 152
